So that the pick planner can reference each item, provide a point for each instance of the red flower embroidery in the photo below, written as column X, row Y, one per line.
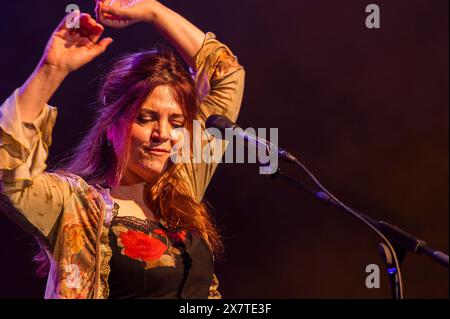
column 140, row 246
column 179, row 236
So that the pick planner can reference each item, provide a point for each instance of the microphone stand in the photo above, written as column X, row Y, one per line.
column 392, row 254
column 402, row 241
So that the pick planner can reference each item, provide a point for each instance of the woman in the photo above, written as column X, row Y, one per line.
column 121, row 219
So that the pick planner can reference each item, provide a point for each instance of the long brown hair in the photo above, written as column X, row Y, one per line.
column 132, row 78
column 125, row 88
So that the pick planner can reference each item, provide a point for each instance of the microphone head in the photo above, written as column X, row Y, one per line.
column 220, row 122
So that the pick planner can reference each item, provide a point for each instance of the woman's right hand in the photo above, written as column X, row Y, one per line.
column 67, row 50
column 70, row 48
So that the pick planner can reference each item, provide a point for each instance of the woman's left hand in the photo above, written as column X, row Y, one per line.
column 122, row 13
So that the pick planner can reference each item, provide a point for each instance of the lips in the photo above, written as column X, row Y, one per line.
column 156, row 150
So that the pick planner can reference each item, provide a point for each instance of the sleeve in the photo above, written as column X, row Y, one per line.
column 220, row 85
column 31, row 198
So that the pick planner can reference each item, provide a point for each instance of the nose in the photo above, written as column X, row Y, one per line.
column 161, row 132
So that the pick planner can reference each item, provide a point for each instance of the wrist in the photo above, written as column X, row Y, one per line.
column 51, row 71
column 154, row 10
column 38, row 89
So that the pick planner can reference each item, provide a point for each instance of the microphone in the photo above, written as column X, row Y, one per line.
column 223, row 123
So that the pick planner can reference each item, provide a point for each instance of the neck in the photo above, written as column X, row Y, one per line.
column 131, row 187
column 129, row 192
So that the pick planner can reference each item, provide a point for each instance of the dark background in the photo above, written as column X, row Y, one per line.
column 365, row 109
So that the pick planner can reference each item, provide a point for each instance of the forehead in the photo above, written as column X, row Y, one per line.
column 162, row 100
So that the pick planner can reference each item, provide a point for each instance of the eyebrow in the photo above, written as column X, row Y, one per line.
column 146, row 111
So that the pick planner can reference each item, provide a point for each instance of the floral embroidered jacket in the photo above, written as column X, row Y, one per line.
column 71, row 218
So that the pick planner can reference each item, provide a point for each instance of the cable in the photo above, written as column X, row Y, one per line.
column 358, row 215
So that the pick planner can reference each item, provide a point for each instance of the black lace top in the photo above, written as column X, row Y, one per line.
column 149, row 260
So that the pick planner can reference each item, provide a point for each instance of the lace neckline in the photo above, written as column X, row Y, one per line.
column 139, row 223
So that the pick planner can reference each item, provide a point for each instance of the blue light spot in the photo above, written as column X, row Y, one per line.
column 392, row 270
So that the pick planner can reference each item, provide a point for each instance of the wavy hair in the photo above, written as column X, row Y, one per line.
column 132, row 78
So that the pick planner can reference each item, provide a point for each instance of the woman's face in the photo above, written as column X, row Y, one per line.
column 153, row 136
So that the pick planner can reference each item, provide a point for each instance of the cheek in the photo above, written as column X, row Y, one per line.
column 139, row 135
column 138, row 138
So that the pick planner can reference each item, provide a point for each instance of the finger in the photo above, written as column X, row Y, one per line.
column 90, row 28
column 89, row 25
column 117, row 11
column 97, row 9
column 118, row 23
column 69, row 21
column 102, row 45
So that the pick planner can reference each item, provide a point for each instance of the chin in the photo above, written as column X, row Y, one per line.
column 150, row 171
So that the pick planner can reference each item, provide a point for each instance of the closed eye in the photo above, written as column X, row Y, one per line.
column 177, row 125
column 144, row 119
column 146, row 115
column 176, row 120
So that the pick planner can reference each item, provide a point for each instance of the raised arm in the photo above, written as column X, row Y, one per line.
column 219, row 77
column 29, row 195
column 66, row 51
column 185, row 37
